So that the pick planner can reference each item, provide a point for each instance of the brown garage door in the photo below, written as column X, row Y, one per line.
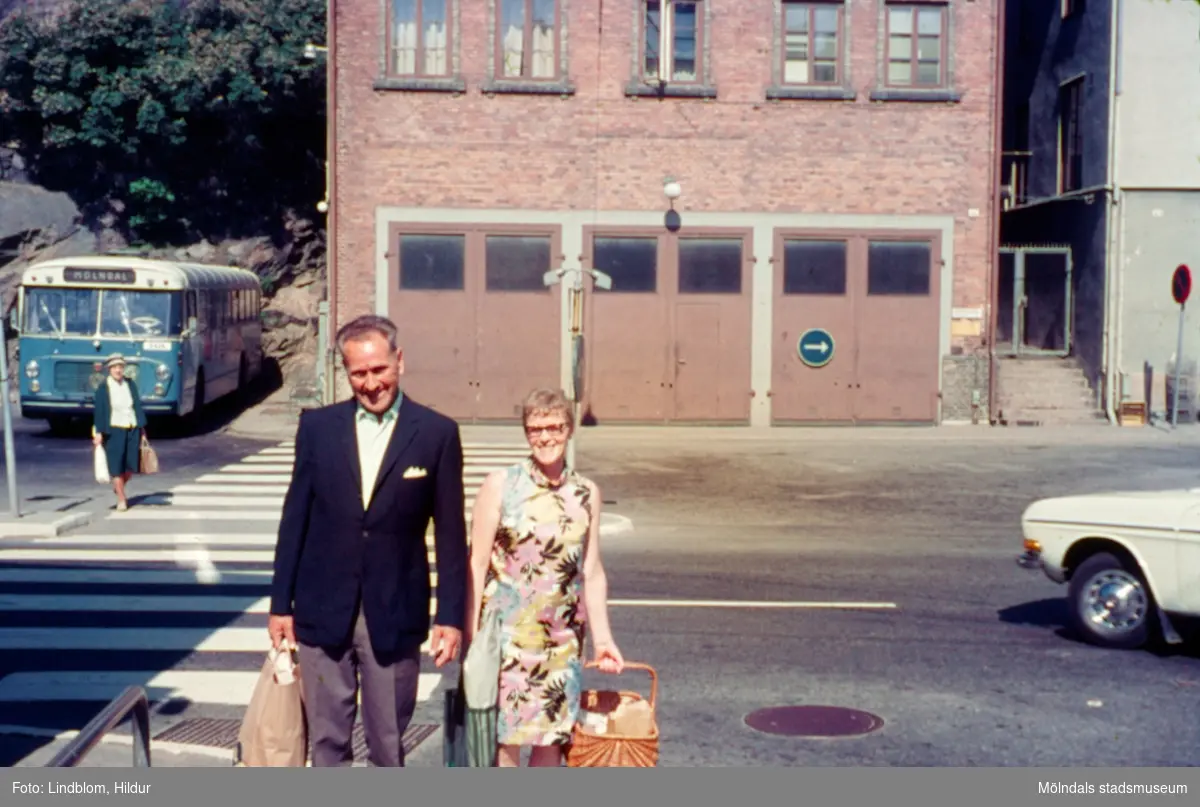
column 479, row 327
column 671, row 340
column 877, row 297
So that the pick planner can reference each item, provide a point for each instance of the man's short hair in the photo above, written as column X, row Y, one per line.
column 364, row 327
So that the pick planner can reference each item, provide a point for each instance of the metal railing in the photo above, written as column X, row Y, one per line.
column 132, row 702
column 1015, row 169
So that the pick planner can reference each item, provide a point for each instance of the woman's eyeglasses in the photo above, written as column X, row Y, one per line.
column 553, row 430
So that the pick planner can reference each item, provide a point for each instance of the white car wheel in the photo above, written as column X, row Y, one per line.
column 1111, row 606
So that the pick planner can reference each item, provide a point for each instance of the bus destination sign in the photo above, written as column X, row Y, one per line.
column 100, row 275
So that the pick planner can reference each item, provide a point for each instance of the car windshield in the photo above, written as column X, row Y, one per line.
column 61, row 311
column 138, row 313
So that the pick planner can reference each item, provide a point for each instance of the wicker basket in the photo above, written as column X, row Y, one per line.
column 591, row 750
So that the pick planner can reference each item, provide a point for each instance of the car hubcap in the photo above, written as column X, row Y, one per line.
column 1114, row 602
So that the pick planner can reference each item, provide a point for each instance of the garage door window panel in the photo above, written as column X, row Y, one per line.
column 814, row 267
column 898, row 268
column 710, row 265
column 517, row 262
column 631, row 262
column 432, row 262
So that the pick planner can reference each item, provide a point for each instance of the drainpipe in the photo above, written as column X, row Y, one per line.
column 994, row 172
column 331, row 219
column 1112, row 262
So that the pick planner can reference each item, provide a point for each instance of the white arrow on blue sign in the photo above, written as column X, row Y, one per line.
column 815, row 347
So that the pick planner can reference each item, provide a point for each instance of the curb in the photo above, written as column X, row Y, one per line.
column 39, row 525
column 156, row 746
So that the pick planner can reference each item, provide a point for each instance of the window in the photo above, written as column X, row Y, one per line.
column 672, row 32
column 419, row 39
column 516, row 262
column 1070, row 138
column 814, row 267
column 811, row 43
column 432, row 262
column 710, row 266
column 916, row 46
column 631, row 262
column 898, row 268
column 527, row 40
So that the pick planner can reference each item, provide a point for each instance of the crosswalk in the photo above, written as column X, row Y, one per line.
column 171, row 595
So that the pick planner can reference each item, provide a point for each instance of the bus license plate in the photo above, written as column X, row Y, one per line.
column 158, row 345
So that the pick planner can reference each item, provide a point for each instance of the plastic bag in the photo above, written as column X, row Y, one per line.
column 101, row 463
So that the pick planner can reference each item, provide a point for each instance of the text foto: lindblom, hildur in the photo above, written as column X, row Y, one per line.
column 79, row 788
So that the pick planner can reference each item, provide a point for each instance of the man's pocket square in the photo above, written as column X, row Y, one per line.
column 414, row 472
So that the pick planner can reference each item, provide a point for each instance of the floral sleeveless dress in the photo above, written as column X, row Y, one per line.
column 535, row 583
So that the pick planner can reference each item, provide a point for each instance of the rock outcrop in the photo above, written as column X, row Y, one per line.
column 36, row 224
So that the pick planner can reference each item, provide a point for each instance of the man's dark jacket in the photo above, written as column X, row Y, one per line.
column 330, row 552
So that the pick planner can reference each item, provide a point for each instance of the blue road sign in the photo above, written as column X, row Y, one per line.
column 815, row 347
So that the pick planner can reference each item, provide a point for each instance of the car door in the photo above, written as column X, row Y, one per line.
column 1187, row 560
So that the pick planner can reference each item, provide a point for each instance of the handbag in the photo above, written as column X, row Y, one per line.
column 101, row 463
column 480, row 690
column 148, row 457
column 274, row 732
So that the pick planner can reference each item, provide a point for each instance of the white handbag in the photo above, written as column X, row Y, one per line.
column 101, row 462
column 481, row 667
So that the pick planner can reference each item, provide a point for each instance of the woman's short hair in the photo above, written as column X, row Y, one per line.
column 547, row 400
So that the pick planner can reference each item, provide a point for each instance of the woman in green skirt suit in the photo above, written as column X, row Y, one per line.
column 117, row 424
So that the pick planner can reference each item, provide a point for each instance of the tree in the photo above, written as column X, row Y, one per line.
column 197, row 118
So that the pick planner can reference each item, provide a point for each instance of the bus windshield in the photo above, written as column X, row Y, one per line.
column 60, row 312
column 76, row 312
column 139, row 313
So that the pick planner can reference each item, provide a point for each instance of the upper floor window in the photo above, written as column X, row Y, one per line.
column 1070, row 142
column 527, row 40
column 673, row 32
column 811, row 42
column 916, row 45
column 419, row 38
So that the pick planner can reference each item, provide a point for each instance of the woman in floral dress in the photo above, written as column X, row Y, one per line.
column 535, row 560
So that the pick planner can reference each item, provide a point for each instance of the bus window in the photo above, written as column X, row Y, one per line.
column 138, row 313
column 61, row 311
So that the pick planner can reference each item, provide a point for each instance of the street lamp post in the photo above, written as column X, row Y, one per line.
column 327, row 308
column 10, row 459
column 575, row 302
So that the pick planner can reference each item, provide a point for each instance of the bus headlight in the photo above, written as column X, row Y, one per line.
column 163, row 373
column 34, row 386
column 159, row 390
column 31, row 369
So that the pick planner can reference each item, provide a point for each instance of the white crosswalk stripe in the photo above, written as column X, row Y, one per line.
column 171, row 595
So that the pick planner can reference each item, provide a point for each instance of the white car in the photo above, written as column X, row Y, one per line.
column 1131, row 561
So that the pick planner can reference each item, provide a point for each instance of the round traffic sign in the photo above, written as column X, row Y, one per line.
column 815, row 347
column 1181, row 283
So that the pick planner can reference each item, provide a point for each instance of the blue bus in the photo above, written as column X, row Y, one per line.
column 190, row 333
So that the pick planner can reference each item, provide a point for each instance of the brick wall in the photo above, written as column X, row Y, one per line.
column 599, row 149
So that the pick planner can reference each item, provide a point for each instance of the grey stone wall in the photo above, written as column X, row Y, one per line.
column 964, row 381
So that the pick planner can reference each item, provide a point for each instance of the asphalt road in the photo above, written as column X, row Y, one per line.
column 972, row 665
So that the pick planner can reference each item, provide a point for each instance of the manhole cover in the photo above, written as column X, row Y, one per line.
column 814, row 721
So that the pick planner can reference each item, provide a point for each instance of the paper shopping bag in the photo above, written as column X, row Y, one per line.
column 274, row 731
column 101, row 463
column 147, row 457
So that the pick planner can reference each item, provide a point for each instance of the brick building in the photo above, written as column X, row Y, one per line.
column 836, row 168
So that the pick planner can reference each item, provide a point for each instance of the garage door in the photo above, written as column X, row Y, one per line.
column 478, row 326
column 670, row 341
column 856, row 323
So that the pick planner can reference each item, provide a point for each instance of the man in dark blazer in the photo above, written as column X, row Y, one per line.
column 351, row 585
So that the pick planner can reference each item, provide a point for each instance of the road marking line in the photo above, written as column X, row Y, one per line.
column 64, row 543
column 219, row 488
column 748, row 604
column 191, row 500
column 213, row 687
column 257, row 469
column 181, row 557
column 246, row 478
column 147, row 577
column 255, row 459
column 290, row 451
